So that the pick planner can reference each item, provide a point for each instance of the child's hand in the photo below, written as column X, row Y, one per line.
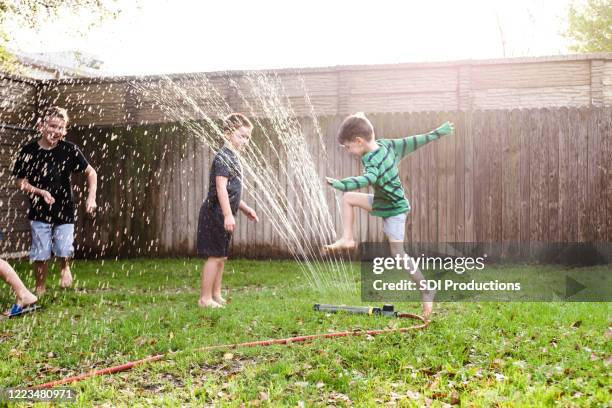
column 251, row 214
column 47, row 197
column 330, row 180
column 229, row 223
column 334, row 183
column 90, row 205
column 446, row 129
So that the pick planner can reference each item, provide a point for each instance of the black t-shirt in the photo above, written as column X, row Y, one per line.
column 50, row 170
column 225, row 164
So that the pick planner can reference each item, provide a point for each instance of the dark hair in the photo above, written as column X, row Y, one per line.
column 354, row 126
column 55, row 112
column 235, row 121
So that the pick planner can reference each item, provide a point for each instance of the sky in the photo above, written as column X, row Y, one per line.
column 161, row 36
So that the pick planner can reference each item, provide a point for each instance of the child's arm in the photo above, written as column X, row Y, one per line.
column 407, row 145
column 20, row 173
column 370, row 175
column 228, row 218
column 92, row 187
column 23, row 185
column 248, row 211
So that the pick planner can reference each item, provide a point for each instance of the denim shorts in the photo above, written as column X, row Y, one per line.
column 47, row 238
column 394, row 226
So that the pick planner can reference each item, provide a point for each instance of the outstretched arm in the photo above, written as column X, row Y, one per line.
column 407, row 145
column 369, row 177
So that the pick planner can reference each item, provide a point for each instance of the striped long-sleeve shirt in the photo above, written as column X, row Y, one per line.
column 382, row 173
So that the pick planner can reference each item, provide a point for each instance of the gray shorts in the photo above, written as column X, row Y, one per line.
column 47, row 238
column 394, row 226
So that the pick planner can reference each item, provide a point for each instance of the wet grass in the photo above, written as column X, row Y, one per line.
column 473, row 354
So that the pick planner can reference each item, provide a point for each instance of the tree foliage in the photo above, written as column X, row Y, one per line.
column 590, row 26
column 32, row 13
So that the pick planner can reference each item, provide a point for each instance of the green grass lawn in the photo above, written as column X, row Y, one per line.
column 472, row 354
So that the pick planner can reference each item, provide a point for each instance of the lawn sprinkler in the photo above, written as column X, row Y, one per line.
column 386, row 310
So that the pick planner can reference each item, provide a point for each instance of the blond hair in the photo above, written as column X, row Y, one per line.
column 54, row 112
column 235, row 121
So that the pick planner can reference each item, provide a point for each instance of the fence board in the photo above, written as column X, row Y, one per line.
column 582, row 138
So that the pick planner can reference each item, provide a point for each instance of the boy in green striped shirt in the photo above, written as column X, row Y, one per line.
column 380, row 159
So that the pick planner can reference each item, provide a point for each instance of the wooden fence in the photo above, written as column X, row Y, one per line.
column 18, row 109
column 527, row 83
column 504, row 176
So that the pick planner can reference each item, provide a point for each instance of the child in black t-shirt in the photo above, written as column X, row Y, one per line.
column 43, row 169
column 216, row 222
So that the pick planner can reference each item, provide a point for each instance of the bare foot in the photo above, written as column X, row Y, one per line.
column 26, row 299
column 209, row 303
column 40, row 290
column 340, row 244
column 427, row 308
column 22, row 301
column 66, row 279
column 220, row 300
column 428, row 303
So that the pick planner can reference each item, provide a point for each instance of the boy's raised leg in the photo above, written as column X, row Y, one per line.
column 40, row 268
column 427, row 296
column 24, row 296
column 217, row 284
column 65, row 273
column 349, row 201
column 209, row 273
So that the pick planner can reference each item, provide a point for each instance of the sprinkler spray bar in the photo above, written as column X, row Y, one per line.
column 386, row 310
